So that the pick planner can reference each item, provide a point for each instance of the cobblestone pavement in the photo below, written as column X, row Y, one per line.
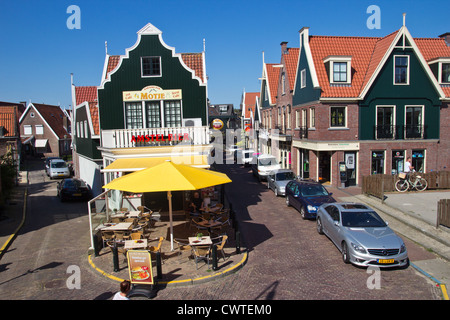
column 288, row 259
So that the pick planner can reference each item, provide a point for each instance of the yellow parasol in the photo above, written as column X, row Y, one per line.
column 169, row 177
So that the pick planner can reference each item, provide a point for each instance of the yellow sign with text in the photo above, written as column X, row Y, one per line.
column 151, row 93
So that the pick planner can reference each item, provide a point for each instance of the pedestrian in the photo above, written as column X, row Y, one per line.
column 408, row 167
column 125, row 287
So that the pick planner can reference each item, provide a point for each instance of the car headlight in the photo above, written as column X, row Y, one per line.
column 311, row 208
column 358, row 248
column 402, row 248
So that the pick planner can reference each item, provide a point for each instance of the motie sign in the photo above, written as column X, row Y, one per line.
column 152, row 93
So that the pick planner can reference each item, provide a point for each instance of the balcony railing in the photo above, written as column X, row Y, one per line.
column 391, row 132
column 303, row 132
column 130, row 138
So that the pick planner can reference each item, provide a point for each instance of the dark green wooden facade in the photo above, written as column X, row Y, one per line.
column 420, row 91
column 128, row 78
column 86, row 145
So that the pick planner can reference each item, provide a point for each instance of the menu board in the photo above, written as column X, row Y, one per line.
column 140, row 267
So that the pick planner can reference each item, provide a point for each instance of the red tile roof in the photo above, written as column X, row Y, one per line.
column 366, row 54
column 53, row 115
column 250, row 103
column 9, row 119
column 89, row 94
column 195, row 62
column 290, row 61
column 273, row 74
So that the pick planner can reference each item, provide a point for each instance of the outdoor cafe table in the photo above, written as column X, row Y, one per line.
column 209, row 224
column 135, row 244
column 133, row 214
column 199, row 241
column 121, row 226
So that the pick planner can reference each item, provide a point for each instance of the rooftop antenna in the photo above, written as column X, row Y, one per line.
column 404, row 19
column 106, row 47
column 204, row 45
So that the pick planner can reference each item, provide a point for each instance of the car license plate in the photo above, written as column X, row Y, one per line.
column 77, row 194
column 61, row 175
column 385, row 261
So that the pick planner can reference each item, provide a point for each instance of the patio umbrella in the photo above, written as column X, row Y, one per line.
column 169, row 177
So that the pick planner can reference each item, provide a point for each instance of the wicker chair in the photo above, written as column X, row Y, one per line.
column 201, row 253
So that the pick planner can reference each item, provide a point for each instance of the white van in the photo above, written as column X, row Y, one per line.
column 245, row 156
column 58, row 169
column 263, row 165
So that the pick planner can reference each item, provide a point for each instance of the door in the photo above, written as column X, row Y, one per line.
column 350, row 163
column 324, row 166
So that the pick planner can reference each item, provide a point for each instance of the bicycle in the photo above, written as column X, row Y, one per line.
column 404, row 183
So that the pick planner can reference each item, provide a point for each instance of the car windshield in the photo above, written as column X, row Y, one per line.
column 285, row 176
column 59, row 164
column 267, row 161
column 364, row 219
column 74, row 183
column 313, row 191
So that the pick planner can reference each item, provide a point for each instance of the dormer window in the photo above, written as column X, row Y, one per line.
column 339, row 68
column 445, row 77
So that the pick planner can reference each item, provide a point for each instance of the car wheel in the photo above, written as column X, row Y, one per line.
column 319, row 226
column 345, row 255
column 276, row 192
column 287, row 201
column 303, row 212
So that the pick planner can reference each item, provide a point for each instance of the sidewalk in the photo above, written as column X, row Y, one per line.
column 412, row 215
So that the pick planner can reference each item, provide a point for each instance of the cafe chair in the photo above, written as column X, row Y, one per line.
column 220, row 244
column 157, row 248
column 120, row 236
column 201, row 253
column 107, row 236
column 135, row 236
column 116, row 220
column 182, row 245
column 123, row 209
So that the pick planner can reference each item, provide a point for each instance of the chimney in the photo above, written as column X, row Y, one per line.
column 446, row 37
column 284, row 49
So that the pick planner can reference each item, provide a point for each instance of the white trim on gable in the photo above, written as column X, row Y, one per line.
column 30, row 105
column 88, row 114
column 403, row 32
column 304, row 33
column 148, row 29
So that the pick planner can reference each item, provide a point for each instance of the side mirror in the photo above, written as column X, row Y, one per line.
column 336, row 223
column 331, row 193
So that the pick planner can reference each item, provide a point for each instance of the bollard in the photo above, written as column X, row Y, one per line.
column 214, row 258
column 96, row 245
column 238, row 242
column 115, row 258
column 158, row 265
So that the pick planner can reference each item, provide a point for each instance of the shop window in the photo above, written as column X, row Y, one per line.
column 172, row 114
column 133, row 114
column 401, row 69
column 153, row 114
column 151, row 66
column 377, row 162
column 418, row 160
column 337, row 115
column 398, row 157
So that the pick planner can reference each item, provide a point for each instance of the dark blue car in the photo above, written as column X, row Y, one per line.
column 307, row 197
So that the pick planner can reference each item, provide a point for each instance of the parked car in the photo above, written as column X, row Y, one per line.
column 263, row 165
column 73, row 188
column 47, row 162
column 58, row 169
column 245, row 156
column 361, row 235
column 306, row 197
column 278, row 180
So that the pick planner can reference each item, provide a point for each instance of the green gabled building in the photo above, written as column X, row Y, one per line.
column 150, row 106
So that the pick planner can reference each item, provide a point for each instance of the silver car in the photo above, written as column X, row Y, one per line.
column 278, row 179
column 363, row 238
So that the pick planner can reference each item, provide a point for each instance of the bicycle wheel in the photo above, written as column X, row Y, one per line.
column 401, row 185
column 421, row 184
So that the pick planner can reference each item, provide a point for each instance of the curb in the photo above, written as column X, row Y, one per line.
column 184, row 282
column 440, row 284
column 8, row 242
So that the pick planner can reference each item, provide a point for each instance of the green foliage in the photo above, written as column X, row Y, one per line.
column 8, row 170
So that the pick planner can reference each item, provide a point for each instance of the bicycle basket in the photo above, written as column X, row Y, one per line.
column 402, row 175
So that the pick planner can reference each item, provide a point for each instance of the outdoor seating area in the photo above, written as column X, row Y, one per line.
column 193, row 239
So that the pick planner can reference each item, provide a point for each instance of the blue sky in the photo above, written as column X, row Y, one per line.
column 38, row 52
